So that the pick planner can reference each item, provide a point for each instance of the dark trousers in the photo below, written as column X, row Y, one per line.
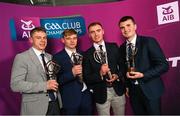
column 142, row 105
column 53, row 108
column 84, row 108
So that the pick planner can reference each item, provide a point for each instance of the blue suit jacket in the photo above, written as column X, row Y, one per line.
column 70, row 87
column 149, row 60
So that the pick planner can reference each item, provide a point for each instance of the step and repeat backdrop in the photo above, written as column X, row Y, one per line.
column 156, row 18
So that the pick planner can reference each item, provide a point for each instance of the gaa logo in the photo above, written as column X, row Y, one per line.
column 168, row 13
column 55, row 26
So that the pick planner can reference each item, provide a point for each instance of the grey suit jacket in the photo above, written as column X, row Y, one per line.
column 29, row 78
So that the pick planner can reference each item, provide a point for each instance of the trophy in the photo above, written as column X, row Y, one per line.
column 77, row 60
column 100, row 57
column 131, row 61
column 52, row 69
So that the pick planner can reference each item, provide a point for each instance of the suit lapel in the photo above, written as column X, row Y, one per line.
column 108, row 50
column 91, row 53
column 37, row 63
column 138, row 46
column 67, row 57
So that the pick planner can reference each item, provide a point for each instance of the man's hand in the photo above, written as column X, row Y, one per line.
column 113, row 78
column 52, row 85
column 134, row 75
column 127, row 92
column 76, row 70
column 104, row 69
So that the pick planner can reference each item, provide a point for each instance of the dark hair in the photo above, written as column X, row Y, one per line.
column 68, row 32
column 37, row 29
column 93, row 24
column 125, row 18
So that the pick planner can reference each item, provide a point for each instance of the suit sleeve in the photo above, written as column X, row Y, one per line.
column 122, row 65
column 19, row 75
column 65, row 74
column 118, row 59
column 91, row 75
column 159, row 65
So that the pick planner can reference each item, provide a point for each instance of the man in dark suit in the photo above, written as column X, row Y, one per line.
column 29, row 78
column 103, row 77
column 76, row 97
column 144, row 54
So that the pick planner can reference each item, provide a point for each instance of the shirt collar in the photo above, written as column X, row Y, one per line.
column 133, row 41
column 37, row 52
column 96, row 46
column 69, row 52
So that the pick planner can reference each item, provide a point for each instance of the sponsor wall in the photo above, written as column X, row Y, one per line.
column 159, row 19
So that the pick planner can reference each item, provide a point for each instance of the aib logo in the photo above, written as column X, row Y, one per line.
column 27, row 26
column 168, row 13
column 21, row 27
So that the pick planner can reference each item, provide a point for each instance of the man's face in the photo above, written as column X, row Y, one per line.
column 128, row 29
column 96, row 33
column 39, row 40
column 70, row 41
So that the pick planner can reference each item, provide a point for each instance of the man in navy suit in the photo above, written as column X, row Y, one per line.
column 76, row 98
column 103, row 77
column 144, row 85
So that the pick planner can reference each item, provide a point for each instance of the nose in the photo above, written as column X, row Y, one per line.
column 125, row 29
column 96, row 33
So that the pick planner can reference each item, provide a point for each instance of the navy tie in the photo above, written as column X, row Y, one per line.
column 100, row 46
column 129, row 47
column 50, row 92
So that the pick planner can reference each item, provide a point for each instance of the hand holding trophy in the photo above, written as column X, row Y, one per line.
column 101, row 57
column 131, row 59
column 52, row 69
column 77, row 60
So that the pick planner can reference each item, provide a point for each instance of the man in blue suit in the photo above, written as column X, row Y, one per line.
column 76, row 97
column 144, row 85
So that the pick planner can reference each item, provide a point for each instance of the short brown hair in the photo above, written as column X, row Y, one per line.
column 93, row 24
column 37, row 29
column 125, row 18
column 68, row 32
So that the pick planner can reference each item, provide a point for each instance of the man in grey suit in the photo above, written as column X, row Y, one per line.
column 29, row 77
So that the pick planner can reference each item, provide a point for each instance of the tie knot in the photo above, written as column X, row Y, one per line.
column 73, row 54
column 100, row 46
column 129, row 44
column 42, row 55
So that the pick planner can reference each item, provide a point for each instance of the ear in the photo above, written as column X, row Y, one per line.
column 135, row 26
column 62, row 40
column 89, row 35
column 103, row 31
column 31, row 40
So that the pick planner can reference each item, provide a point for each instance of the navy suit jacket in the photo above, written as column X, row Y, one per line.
column 92, row 76
column 149, row 60
column 70, row 87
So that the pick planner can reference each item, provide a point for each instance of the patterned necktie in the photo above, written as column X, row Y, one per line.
column 74, row 59
column 103, row 55
column 44, row 63
column 51, row 93
column 129, row 50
